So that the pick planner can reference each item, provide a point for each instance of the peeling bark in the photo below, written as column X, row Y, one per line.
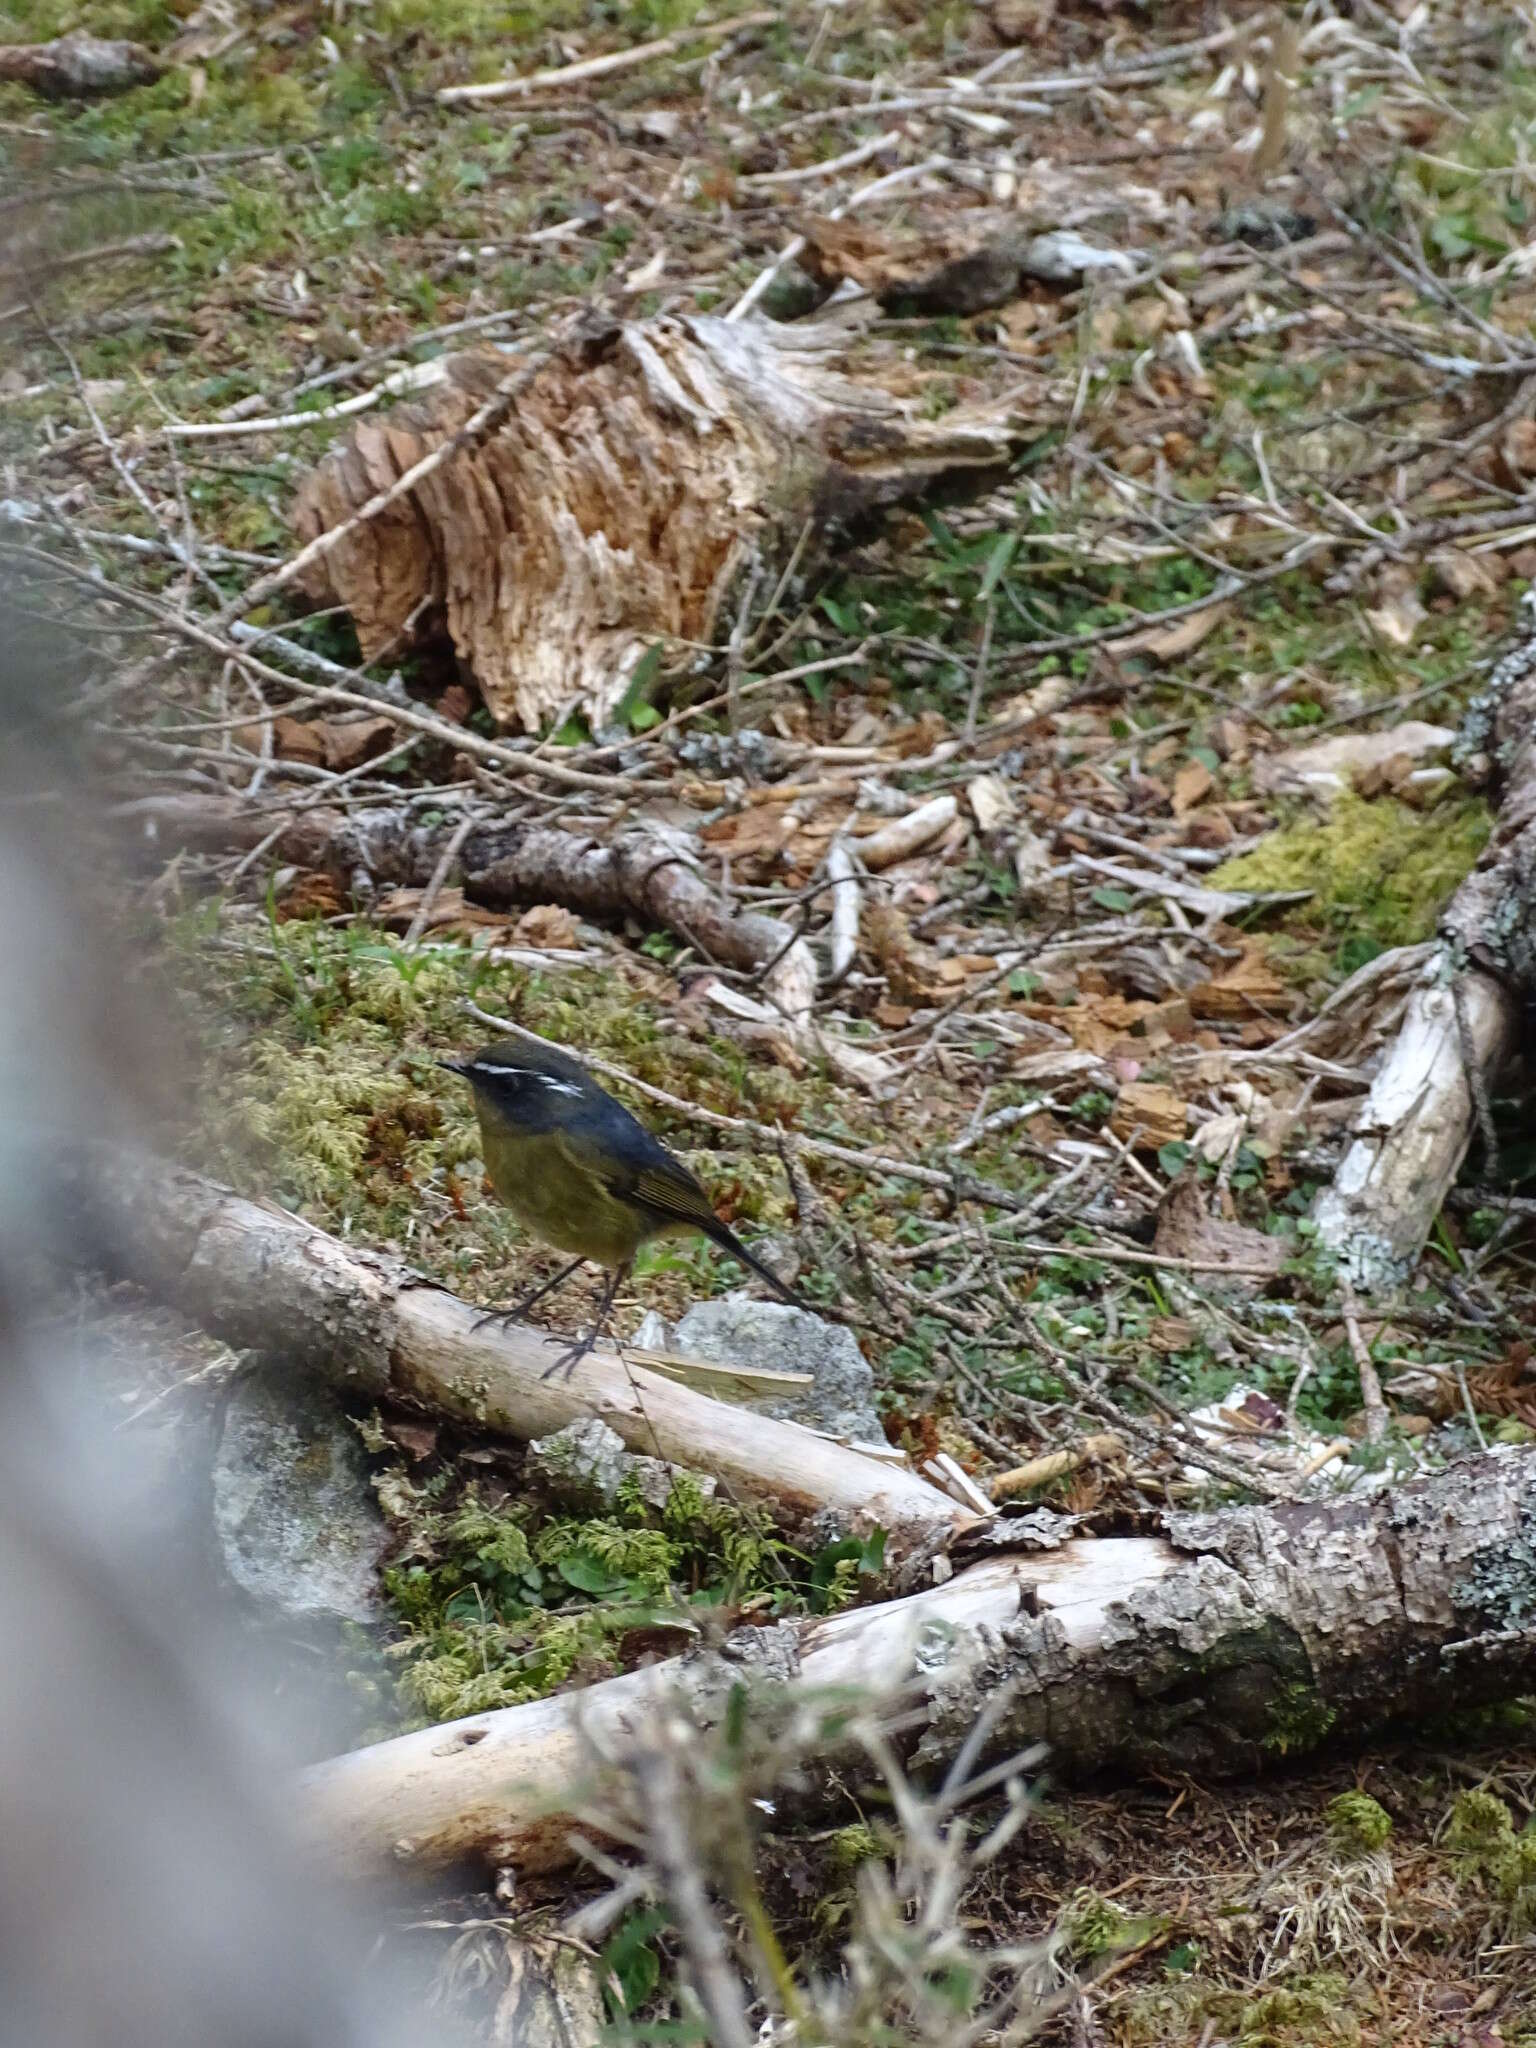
column 1464, row 1018
column 368, row 1324
column 1240, row 1638
column 643, row 467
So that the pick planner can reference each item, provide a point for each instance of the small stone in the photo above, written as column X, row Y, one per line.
column 652, row 1334
column 769, row 1335
column 585, row 1464
column 293, row 1507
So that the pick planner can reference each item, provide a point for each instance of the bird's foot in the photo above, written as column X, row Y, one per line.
column 519, row 1308
column 572, row 1355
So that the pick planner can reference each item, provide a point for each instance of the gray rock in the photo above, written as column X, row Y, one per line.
column 293, row 1508
column 652, row 1334
column 584, row 1465
column 770, row 1335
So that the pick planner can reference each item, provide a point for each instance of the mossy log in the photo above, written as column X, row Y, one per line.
column 1236, row 1639
column 1464, row 1018
column 259, row 1277
column 643, row 467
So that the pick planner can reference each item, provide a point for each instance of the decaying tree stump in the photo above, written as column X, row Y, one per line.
column 1239, row 1638
column 1464, row 1018
column 641, row 469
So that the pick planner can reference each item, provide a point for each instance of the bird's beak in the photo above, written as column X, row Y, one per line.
column 454, row 1066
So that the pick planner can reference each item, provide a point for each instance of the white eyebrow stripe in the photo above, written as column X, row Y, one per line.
column 529, row 1074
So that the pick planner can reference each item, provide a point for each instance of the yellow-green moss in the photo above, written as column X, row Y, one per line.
column 855, row 1844
column 1377, row 868
column 499, row 1604
column 1358, row 1823
column 1308, row 2011
column 1304, row 2013
column 1092, row 1926
column 1490, row 1855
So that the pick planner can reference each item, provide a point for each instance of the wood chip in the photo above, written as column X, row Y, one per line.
column 1149, row 1115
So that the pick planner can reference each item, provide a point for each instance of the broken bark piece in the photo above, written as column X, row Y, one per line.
column 962, row 267
column 1052, row 1465
column 78, row 66
column 642, row 468
column 1463, row 1019
column 1237, row 1640
column 908, row 835
column 1185, row 1230
column 948, row 265
column 1149, row 1115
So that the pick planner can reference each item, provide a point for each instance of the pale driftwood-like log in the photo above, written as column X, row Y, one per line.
column 1464, row 1017
column 1240, row 1638
column 262, row 1278
column 615, row 505
column 1413, row 1129
column 843, row 888
column 906, row 836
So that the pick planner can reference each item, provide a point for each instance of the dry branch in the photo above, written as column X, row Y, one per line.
column 642, row 467
column 647, row 873
column 1239, row 1638
column 1464, row 1017
column 605, row 65
column 260, row 1277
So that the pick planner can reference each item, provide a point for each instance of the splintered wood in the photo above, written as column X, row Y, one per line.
column 642, row 469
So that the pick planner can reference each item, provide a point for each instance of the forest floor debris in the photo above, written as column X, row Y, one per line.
column 1012, row 788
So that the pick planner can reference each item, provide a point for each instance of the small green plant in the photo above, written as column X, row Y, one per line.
column 500, row 1604
column 1092, row 1925
column 1490, row 1854
column 1357, row 1823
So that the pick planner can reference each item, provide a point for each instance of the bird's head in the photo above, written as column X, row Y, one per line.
column 523, row 1080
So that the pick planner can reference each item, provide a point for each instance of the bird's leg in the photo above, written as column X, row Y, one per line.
column 524, row 1302
column 568, row 1360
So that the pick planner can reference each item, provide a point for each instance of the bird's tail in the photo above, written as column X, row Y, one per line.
column 728, row 1241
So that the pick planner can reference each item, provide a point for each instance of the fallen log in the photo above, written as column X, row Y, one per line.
column 645, row 465
column 1463, row 1019
column 1238, row 1638
column 649, row 872
column 365, row 1322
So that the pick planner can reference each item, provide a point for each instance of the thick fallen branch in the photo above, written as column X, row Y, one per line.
column 1242, row 1637
column 648, row 872
column 1464, row 1017
column 643, row 468
column 260, row 1277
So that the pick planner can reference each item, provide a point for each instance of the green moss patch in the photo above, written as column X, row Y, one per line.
column 1377, row 868
column 1490, row 1855
column 502, row 1603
